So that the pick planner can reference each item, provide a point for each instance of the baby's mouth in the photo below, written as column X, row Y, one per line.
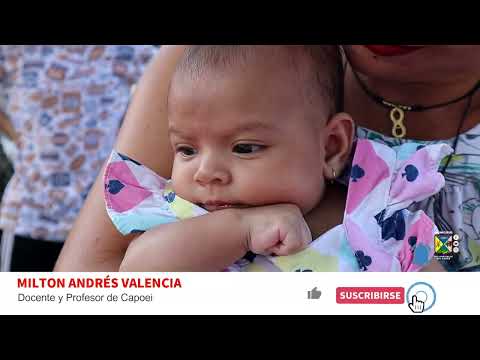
column 215, row 206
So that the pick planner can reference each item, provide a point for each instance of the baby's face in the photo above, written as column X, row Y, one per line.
column 244, row 141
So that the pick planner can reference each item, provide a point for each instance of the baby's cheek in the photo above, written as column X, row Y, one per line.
column 304, row 194
column 308, row 195
column 182, row 184
column 181, row 190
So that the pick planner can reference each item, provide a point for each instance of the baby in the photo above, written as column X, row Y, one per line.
column 253, row 126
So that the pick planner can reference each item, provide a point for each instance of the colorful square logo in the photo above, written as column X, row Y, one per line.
column 446, row 245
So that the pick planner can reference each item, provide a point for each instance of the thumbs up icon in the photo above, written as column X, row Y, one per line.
column 314, row 294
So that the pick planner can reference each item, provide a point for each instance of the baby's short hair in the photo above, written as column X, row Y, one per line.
column 325, row 72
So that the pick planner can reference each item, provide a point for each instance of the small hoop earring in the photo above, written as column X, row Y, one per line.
column 334, row 176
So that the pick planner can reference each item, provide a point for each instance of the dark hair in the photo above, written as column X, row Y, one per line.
column 326, row 70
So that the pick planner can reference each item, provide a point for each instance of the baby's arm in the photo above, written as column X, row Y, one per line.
column 215, row 241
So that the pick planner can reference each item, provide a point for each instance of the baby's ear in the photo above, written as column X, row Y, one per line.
column 337, row 141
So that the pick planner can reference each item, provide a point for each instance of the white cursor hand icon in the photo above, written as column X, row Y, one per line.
column 416, row 305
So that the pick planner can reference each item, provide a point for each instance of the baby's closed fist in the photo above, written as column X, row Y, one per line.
column 276, row 230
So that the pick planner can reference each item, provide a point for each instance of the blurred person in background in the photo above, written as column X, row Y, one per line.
column 65, row 104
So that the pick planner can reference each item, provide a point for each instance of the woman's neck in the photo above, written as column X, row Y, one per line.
column 435, row 124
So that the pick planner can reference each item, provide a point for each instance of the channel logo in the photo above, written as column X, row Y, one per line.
column 446, row 245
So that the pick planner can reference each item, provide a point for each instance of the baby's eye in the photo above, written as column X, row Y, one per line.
column 186, row 151
column 247, row 148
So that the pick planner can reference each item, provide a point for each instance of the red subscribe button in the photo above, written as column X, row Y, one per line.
column 370, row 295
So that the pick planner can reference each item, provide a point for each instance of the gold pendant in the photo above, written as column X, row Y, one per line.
column 397, row 115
